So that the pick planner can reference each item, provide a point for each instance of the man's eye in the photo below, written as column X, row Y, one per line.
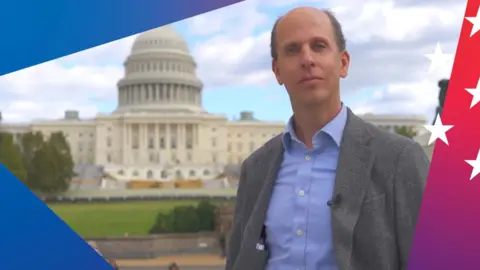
column 291, row 49
column 319, row 46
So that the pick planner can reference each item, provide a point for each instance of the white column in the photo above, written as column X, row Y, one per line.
column 167, row 140
column 181, row 136
column 124, row 144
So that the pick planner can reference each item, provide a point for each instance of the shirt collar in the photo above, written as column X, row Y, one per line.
column 334, row 129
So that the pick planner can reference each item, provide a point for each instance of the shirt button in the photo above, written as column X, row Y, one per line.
column 307, row 157
column 299, row 232
column 301, row 193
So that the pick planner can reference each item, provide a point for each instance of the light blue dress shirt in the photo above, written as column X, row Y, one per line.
column 298, row 222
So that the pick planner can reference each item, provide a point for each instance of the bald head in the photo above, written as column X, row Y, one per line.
column 302, row 13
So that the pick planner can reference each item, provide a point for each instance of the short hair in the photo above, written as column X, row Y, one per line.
column 337, row 30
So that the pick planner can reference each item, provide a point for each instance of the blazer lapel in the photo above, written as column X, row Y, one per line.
column 272, row 166
column 352, row 180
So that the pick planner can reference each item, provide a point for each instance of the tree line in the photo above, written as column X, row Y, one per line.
column 186, row 219
column 44, row 165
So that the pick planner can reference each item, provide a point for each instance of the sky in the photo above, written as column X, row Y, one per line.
column 387, row 41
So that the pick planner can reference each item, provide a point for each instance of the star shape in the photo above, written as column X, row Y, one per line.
column 438, row 130
column 475, row 22
column 475, row 92
column 438, row 58
column 476, row 166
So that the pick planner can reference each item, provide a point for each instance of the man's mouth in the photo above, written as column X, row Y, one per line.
column 310, row 79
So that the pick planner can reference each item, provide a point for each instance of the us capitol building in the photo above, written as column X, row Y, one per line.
column 160, row 130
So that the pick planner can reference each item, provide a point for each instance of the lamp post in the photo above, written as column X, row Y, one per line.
column 443, row 85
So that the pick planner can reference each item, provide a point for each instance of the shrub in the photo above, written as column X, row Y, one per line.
column 186, row 219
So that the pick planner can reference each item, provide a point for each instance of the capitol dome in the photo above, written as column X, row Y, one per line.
column 164, row 38
column 160, row 74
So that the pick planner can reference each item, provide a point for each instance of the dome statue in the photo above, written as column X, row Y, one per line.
column 160, row 75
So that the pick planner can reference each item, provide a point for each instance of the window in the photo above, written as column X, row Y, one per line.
column 151, row 143
column 162, row 143
column 214, row 142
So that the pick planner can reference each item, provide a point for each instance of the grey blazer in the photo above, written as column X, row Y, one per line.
column 379, row 186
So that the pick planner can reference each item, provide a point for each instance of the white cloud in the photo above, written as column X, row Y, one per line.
column 48, row 89
column 230, row 20
column 385, row 19
column 387, row 40
column 239, row 58
column 413, row 98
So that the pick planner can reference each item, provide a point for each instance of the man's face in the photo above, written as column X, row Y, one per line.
column 309, row 63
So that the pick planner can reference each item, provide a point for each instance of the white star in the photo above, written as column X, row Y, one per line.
column 438, row 131
column 438, row 58
column 476, row 165
column 475, row 22
column 475, row 92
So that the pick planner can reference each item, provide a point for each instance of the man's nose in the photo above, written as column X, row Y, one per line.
column 306, row 58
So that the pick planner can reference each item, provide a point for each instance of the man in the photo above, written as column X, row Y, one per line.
column 333, row 192
column 173, row 266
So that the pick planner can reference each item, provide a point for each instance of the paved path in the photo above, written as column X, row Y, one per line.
column 181, row 268
column 186, row 262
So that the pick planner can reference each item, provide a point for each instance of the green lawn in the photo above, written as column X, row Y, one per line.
column 113, row 219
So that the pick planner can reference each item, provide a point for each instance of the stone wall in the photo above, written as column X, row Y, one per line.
column 131, row 247
column 158, row 245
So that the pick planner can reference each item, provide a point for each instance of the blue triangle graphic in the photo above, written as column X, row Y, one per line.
column 34, row 237
column 40, row 31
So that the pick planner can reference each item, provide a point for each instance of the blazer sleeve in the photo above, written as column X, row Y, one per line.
column 236, row 235
column 409, row 185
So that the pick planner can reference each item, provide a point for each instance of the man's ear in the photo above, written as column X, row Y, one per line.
column 345, row 62
column 276, row 71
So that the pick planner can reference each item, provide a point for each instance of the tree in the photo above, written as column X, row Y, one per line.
column 11, row 158
column 44, row 169
column 62, row 157
column 406, row 131
column 49, row 162
column 163, row 223
column 206, row 214
column 30, row 143
column 186, row 219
